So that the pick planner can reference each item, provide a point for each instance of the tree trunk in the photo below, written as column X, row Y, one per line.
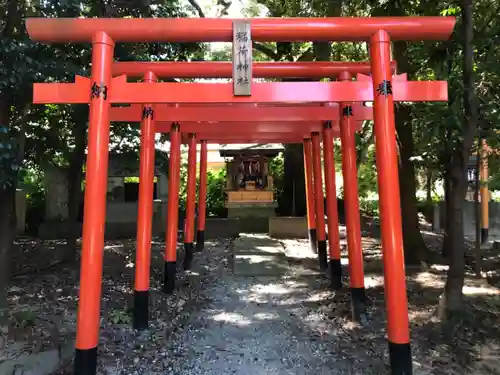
column 428, row 186
column 451, row 300
column 293, row 202
column 7, row 209
column 75, row 175
column 7, row 230
column 293, row 182
column 448, row 223
column 414, row 245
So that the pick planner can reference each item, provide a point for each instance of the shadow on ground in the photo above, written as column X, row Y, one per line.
column 295, row 311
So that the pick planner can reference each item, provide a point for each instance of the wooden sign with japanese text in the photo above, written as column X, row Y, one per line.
column 242, row 58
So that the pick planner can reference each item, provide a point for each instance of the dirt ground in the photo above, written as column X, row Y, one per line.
column 43, row 303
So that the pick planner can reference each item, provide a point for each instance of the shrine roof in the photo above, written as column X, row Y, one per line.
column 270, row 149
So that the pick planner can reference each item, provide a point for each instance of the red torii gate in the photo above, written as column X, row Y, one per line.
column 102, row 90
column 245, row 113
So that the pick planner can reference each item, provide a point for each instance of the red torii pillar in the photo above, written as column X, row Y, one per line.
column 311, row 203
column 190, row 203
column 390, row 210
column 94, row 215
column 202, row 197
column 319, row 200
column 172, row 210
column 335, row 264
column 352, row 215
column 144, row 215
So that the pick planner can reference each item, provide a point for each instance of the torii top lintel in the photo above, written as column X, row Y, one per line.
column 64, row 30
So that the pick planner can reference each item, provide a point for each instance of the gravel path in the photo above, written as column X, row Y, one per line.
column 258, row 325
column 250, row 328
column 224, row 319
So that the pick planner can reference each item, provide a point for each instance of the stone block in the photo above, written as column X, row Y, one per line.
column 288, row 227
column 222, row 228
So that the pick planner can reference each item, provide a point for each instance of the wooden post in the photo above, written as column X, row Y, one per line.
column 94, row 215
column 144, row 214
column 398, row 332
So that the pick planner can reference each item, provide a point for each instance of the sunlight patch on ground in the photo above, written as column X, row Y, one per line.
column 429, row 280
column 295, row 284
column 374, row 281
column 440, row 267
column 269, row 249
column 350, row 325
column 420, row 315
column 429, row 233
column 266, row 316
column 299, row 253
column 270, row 289
column 254, row 298
column 479, row 287
column 480, row 290
column 251, row 259
column 115, row 248
column 254, row 235
column 316, row 297
column 232, row 318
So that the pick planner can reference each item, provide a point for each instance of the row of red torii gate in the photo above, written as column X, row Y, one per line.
column 243, row 112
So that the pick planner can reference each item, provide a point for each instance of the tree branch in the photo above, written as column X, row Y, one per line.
column 266, row 51
column 196, row 6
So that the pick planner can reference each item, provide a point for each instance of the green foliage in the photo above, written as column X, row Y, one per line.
column 216, row 183
column 25, row 318
column 183, row 181
column 9, row 164
column 493, row 167
column 119, row 317
column 50, row 130
column 33, row 186
column 277, row 172
column 369, row 204
column 216, row 195
column 367, row 174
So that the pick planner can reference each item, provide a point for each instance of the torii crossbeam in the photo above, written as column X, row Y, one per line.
column 121, row 91
column 239, row 113
column 223, row 69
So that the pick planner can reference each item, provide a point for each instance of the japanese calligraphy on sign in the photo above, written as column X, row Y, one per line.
column 242, row 58
column 148, row 112
column 384, row 88
column 98, row 90
column 347, row 111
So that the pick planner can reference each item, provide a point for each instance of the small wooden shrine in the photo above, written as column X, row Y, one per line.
column 249, row 185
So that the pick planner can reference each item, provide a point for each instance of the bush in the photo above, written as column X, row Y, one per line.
column 369, row 204
column 216, row 181
column 277, row 171
column 216, row 196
